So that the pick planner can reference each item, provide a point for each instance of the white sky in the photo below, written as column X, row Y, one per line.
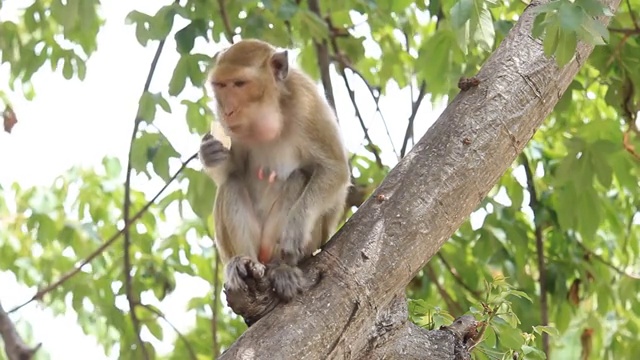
column 78, row 123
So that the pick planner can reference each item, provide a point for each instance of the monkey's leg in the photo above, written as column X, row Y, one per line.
column 287, row 279
column 237, row 234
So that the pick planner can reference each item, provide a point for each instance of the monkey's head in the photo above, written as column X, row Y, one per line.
column 247, row 81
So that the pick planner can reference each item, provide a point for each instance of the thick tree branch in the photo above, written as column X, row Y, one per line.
column 422, row 201
column 14, row 346
column 534, row 204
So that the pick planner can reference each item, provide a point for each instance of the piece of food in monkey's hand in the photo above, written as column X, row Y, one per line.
column 241, row 268
column 217, row 131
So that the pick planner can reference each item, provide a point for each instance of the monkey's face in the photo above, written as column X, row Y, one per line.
column 247, row 108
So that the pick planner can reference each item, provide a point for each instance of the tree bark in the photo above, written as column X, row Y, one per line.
column 352, row 310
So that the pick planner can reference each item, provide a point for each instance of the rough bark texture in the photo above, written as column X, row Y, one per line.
column 352, row 310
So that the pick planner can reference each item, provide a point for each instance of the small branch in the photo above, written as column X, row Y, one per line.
column 14, row 346
column 414, row 111
column 633, row 15
column 225, row 20
column 534, row 204
column 127, row 209
column 322, row 52
column 352, row 96
column 42, row 292
column 608, row 263
column 375, row 94
column 625, row 31
column 158, row 313
column 476, row 294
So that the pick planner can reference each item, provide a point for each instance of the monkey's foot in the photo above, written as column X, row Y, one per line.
column 260, row 297
column 240, row 269
column 287, row 281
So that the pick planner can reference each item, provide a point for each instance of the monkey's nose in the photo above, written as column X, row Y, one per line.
column 229, row 113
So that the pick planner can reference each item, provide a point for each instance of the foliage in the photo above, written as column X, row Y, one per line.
column 579, row 173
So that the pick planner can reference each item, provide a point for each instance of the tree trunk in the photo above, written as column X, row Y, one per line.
column 355, row 310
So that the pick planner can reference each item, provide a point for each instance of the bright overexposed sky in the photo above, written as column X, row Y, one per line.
column 72, row 122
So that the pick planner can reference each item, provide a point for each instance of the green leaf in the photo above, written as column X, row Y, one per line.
column 162, row 152
column 147, row 107
column 510, row 337
column 461, row 13
column 65, row 15
column 200, row 193
column 197, row 119
column 570, row 17
column 551, row 39
column 179, row 77
column 484, row 34
column 112, row 167
column 162, row 22
column 568, row 42
column 185, row 37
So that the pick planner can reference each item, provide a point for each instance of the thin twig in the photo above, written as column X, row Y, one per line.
column 608, row 263
column 633, row 15
column 625, row 31
column 322, row 52
column 225, row 20
column 375, row 94
column 42, row 292
column 352, row 96
column 127, row 209
column 534, row 204
column 214, row 306
column 455, row 309
column 184, row 339
column 414, row 111
column 476, row 294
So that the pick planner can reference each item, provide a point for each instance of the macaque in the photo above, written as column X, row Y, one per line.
column 283, row 181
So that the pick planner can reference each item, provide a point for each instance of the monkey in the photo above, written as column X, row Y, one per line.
column 283, row 180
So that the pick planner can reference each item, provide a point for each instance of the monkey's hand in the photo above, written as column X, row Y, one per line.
column 212, row 151
column 287, row 281
column 241, row 268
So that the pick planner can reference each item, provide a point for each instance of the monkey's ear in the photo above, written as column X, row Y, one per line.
column 280, row 64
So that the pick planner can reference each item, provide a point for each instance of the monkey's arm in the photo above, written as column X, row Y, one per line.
column 326, row 190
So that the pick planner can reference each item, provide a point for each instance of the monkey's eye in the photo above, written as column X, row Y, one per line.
column 219, row 85
column 239, row 83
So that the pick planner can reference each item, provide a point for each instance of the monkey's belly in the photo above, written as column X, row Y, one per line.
column 272, row 202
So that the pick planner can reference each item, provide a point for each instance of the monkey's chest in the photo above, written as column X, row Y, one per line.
column 268, row 172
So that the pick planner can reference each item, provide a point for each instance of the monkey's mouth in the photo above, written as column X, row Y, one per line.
column 235, row 128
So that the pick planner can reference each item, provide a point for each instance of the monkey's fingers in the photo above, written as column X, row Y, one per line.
column 287, row 281
column 207, row 136
column 256, row 269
